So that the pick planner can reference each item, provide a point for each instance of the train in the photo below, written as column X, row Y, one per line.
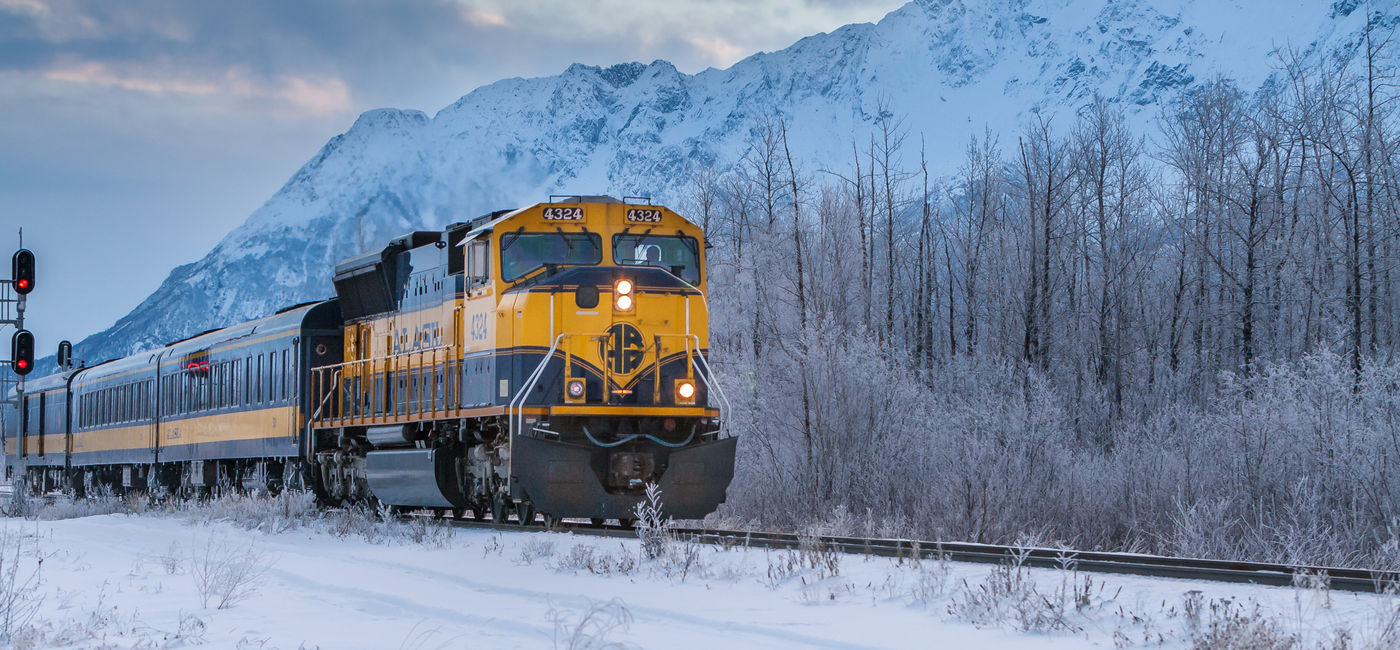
column 544, row 362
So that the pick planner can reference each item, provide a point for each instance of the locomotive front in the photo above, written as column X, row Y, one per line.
column 550, row 359
column 603, row 328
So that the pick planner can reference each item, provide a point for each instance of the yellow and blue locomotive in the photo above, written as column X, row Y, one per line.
column 550, row 359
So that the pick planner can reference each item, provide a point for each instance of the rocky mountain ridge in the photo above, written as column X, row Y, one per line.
column 947, row 68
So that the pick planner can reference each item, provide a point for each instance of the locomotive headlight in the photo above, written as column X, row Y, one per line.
column 575, row 389
column 685, row 391
column 622, row 295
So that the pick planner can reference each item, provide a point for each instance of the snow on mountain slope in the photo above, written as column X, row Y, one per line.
column 946, row 67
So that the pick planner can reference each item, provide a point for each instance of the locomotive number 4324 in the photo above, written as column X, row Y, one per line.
column 639, row 215
column 563, row 214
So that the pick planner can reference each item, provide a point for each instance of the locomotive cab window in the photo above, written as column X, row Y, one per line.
column 478, row 263
column 677, row 254
column 525, row 252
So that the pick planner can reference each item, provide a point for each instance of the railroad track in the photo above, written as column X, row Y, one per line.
column 1156, row 566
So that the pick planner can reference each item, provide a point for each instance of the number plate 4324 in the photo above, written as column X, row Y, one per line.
column 563, row 214
column 638, row 215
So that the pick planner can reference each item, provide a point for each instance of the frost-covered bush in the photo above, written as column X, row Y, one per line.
column 1295, row 463
column 534, row 549
column 225, row 574
column 680, row 560
column 22, row 504
column 20, row 598
column 66, row 507
column 653, row 527
column 589, row 558
column 272, row 514
column 592, row 628
column 382, row 526
column 670, row 557
column 357, row 521
column 426, row 532
column 1229, row 625
column 1010, row 595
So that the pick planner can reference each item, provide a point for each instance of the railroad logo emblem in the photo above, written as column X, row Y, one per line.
column 622, row 349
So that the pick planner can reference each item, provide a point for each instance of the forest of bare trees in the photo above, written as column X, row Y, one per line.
column 1173, row 333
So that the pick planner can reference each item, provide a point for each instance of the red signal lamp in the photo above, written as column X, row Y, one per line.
column 22, row 352
column 22, row 271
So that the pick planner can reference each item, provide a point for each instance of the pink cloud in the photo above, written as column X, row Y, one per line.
column 299, row 95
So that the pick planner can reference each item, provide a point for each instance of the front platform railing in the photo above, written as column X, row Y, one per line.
column 422, row 384
column 694, row 362
column 426, row 385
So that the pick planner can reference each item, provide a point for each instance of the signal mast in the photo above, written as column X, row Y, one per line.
column 21, row 282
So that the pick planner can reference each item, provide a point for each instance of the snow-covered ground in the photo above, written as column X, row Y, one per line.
column 343, row 580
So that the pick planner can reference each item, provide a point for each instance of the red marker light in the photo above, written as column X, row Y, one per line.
column 22, row 352
column 22, row 271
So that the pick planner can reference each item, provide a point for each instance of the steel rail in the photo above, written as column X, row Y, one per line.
column 1154, row 566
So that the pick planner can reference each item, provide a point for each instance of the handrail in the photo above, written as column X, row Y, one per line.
column 385, row 357
column 419, row 390
column 421, row 385
column 711, row 381
column 520, row 397
column 316, row 415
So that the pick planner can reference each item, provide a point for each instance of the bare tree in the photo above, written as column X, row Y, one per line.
column 1045, row 175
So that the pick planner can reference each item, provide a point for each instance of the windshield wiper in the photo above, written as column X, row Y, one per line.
column 567, row 241
column 689, row 243
column 514, row 237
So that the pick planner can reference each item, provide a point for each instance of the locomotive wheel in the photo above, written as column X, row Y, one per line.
column 550, row 521
column 459, row 513
column 627, row 523
column 597, row 522
column 498, row 510
column 525, row 513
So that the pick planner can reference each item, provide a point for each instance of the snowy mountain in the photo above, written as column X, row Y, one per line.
column 948, row 68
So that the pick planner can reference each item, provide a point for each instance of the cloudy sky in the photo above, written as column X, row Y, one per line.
column 134, row 135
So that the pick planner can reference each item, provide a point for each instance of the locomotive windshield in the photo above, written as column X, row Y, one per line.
column 523, row 252
column 677, row 254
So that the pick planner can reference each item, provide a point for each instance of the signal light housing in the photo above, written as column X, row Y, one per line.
column 22, row 271
column 622, row 295
column 574, row 391
column 65, row 354
column 22, row 352
column 685, row 391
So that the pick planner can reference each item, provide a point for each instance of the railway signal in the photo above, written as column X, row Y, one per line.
column 22, row 352
column 22, row 268
column 65, row 354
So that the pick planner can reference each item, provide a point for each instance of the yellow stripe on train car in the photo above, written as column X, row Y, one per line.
column 271, row 423
column 131, row 438
column 602, row 410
